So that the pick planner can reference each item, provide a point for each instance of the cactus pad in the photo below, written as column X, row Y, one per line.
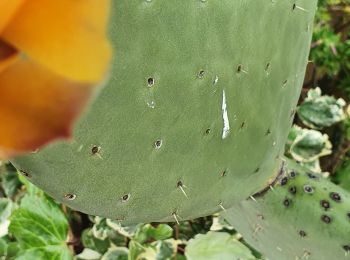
column 303, row 217
column 194, row 115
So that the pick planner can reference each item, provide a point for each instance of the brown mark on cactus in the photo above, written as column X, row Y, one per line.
column 25, row 174
column 325, row 204
column 284, row 181
column 126, row 197
column 292, row 190
column 335, row 196
column 346, row 248
column 70, row 196
column 95, row 149
column 150, row 82
column 302, row 233
column 181, row 186
column 326, row 219
column 201, row 74
column 242, row 125
column 312, row 176
column 287, row 202
column 158, row 144
column 223, row 173
column 308, row 189
column 292, row 174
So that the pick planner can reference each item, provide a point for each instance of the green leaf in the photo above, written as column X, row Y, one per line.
column 321, row 111
column 161, row 232
column 88, row 254
column 308, row 145
column 10, row 182
column 116, row 253
column 12, row 250
column 127, row 231
column 217, row 246
column 30, row 188
column 41, row 228
column 146, row 232
column 90, row 241
column 135, row 249
column 3, row 247
column 164, row 250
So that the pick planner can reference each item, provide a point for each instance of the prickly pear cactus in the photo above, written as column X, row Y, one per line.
column 194, row 115
column 302, row 216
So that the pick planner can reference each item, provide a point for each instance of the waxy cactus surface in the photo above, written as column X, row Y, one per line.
column 302, row 216
column 194, row 115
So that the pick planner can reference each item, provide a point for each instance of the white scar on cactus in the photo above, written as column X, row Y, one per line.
column 226, row 129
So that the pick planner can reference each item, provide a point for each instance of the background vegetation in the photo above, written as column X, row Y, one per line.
column 33, row 226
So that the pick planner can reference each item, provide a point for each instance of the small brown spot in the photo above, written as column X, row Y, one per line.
column 335, row 196
column 311, row 175
column 292, row 174
column 292, row 190
column 325, row 204
column 261, row 217
column 201, row 74
column 242, row 125
column 287, row 202
column 302, row 233
column 70, row 196
column 95, row 149
column 158, row 144
column 239, row 68
column 268, row 132
column 223, row 173
column 150, row 82
column 125, row 197
column 326, row 219
column 25, row 174
column 308, row 189
column 284, row 181
column 346, row 248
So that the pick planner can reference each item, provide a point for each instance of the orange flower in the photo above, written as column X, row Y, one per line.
column 52, row 54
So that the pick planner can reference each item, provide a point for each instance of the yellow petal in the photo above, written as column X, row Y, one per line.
column 66, row 36
column 36, row 106
column 7, row 9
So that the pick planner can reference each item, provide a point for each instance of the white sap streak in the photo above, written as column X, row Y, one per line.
column 226, row 129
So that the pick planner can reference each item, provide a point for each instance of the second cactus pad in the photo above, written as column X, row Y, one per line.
column 194, row 115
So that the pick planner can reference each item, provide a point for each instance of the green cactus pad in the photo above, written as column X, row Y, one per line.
column 303, row 217
column 194, row 115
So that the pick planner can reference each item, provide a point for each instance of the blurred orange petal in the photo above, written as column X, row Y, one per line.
column 8, row 55
column 7, row 9
column 36, row 106
column 66, row 36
